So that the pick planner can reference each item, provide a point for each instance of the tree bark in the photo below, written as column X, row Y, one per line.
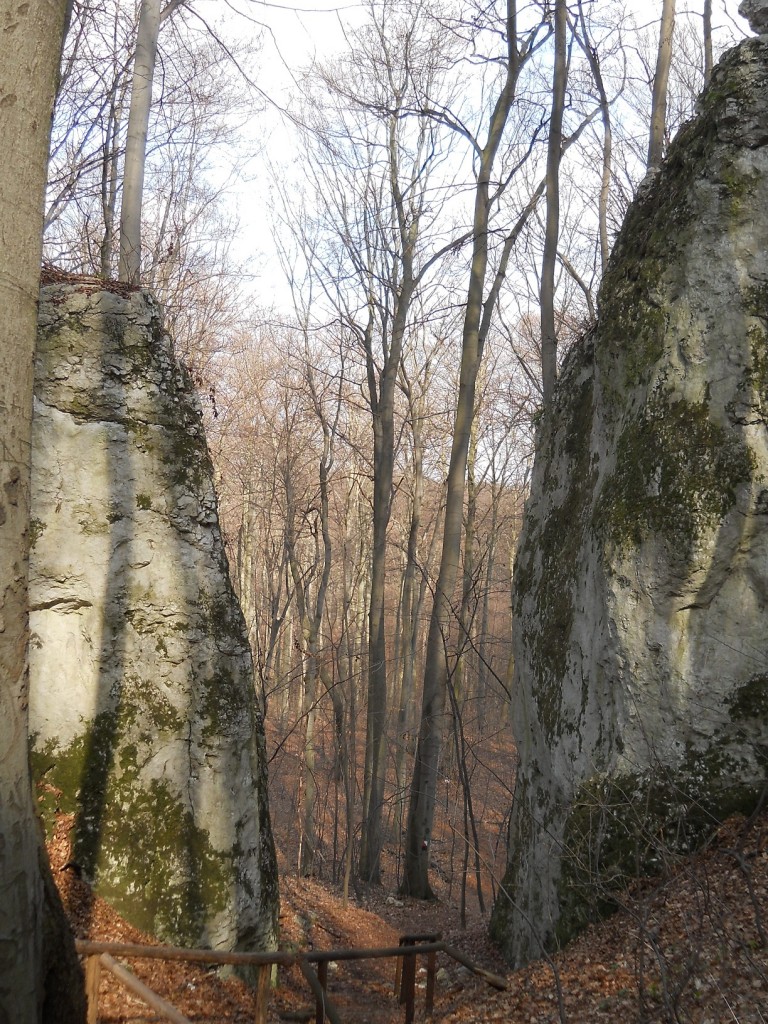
column 411, row 603
column 552, row 230
column 660, row 80
column 136, row 142
column 109, row 171
column 382, row 400
column 590, row 53
column 421, row 807
column 311, row 614
column 30, row 48
column 466, row 612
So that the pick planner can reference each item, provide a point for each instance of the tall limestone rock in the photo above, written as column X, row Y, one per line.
column 142, row 712
column 641, row 584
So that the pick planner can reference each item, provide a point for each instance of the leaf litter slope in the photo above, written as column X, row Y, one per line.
column 692, row 948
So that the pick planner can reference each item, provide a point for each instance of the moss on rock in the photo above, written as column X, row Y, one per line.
column 158, row 868
column 676, row 475
column 135, row 615
column 639, row 588
column 548, row 562
column 750, row 700
column 138, row 842
column 639, row 824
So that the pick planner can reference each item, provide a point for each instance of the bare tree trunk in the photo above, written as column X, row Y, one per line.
column 348, row 672
column 375, row 761
column 605, row 113
column 411, row 603
column 708, row 58
column 136, row 142
column 30, row 50
column 466, row 612
column 311, row 618
column 382, row 399
column 423, row 786
column 482, row 647
column 109, row 167
column 283, row 668
column 660, row 79
column 246, row 562
column 335, row 691
column 549, row 258
column 470, row 836
column 308, row 846
column 306, row 780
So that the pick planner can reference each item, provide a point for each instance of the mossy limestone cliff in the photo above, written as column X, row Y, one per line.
column 641, row 583
column 142, row 711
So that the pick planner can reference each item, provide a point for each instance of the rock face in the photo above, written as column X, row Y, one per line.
column 641, row 585
column 142, row 712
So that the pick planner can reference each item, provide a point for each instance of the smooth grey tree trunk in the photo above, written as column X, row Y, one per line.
column 411, row 602
column 30, row 49
column 382, row 406
column 136, row 141
column 660, row 80
column 461, row 672
column 109, row 171
column 590, row 52
column 423, row 786
column 311, row 618
column 552, row 227
column 382, row 402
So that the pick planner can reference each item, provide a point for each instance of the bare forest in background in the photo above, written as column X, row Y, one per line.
column 456, row 175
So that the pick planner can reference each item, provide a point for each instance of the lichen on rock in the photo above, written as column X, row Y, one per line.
column 143, row 712
column 641, row 583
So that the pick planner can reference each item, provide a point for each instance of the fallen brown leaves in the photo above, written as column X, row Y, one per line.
column 691, row 949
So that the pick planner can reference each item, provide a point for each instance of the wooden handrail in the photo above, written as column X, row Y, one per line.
column 152, row 999
column 411, row 946
column 325, row 1007
column 279, row 956
column 87, row 947
column 492, row 979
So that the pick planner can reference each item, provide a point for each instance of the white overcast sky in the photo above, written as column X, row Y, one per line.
column 293, row 35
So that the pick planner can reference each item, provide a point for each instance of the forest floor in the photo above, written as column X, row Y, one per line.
column 692, row 947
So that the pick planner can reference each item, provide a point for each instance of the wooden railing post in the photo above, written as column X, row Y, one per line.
column 97, row 954
column 322, row 977
column 263, row 984
column 92, row 982
column 408, row 985
column 325, row 1007
column 405, row 978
